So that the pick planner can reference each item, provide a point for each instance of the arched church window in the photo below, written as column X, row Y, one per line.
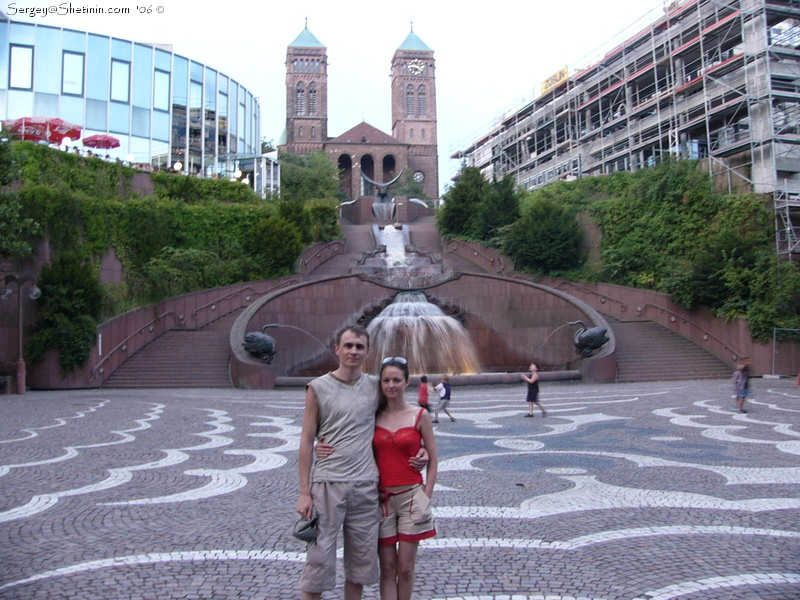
column 301, row 99
column 422, row 102
column 313, row 132
column 312, row 98
column 300, row 131
column 410, row 101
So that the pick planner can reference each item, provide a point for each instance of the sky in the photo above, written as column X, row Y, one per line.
column 490, row 58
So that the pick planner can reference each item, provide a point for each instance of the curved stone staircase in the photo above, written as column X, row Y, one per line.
column 199, row 358
column 648, row 352
column 180, row 358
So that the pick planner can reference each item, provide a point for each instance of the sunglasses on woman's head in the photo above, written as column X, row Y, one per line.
column 397, row 359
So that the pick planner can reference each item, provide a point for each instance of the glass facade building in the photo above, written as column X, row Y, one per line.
column 164, row 108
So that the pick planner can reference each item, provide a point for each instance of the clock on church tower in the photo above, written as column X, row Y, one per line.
column 414, row 110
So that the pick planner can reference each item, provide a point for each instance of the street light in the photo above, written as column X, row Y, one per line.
column 33, row 293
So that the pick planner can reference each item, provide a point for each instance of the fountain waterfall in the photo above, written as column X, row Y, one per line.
column 418, row 330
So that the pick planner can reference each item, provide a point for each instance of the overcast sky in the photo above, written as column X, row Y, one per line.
column 490, row 56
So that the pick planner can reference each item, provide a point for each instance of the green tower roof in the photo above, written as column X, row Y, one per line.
column 412, row 42
column 306, row 39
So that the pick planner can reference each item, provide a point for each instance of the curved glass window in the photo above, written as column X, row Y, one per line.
column 119, row 116
column 74, row 41
column 163, row 60
column 142, row 90
column 161, row 90
column 20, row 75
column 120, row 81
column 422, row 102
column 121, row 49
column 97, row 58
column 72, row 73
column 410, row 101
column 48, row 57
column 97, row 115
column 161, row 126
column 162, row 107
column 140, row 125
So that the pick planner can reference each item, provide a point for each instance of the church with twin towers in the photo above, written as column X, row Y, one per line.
column 381, row 157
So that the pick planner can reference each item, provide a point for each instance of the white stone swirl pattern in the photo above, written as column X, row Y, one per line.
column 700, row 460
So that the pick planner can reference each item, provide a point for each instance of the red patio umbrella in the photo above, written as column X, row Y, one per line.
column 101, row 140
column 49, row 129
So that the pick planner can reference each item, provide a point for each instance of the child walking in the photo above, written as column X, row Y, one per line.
column 443, row 387
column 424, row 391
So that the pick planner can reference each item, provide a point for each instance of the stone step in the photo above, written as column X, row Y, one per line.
column 180, row 358
column 648, row 352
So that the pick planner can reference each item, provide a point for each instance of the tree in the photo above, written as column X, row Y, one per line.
column 69, row 309
column 545, row 239
column 267, row 146
column 409, row 188
column 278, row 244
column 16, row 230
column 499, row 208
column 312, row 177
column 459, row 215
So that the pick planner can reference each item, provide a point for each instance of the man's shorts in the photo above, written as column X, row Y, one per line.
column 443, row 404
column 407, row 515
column 356, row 501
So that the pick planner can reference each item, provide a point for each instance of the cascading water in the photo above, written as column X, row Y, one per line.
column 392, row 238
column 418, row 330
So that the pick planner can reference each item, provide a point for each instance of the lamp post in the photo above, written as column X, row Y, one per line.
column 33, row 293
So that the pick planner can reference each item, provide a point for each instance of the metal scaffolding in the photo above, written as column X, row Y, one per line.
column 716, row 80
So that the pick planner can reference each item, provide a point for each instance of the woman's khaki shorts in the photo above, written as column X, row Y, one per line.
column 407, row 515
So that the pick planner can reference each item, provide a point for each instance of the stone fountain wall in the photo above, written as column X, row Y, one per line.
column 511, row 323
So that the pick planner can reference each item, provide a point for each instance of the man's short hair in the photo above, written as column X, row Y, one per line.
column 357, row 329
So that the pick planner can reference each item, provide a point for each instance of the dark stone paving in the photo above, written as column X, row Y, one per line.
column 623, row 492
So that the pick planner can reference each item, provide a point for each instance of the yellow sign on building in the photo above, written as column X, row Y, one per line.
column 554, row 79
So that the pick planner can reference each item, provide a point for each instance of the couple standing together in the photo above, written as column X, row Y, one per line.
column 378, row 498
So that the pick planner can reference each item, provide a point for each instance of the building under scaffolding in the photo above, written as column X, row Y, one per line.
column 717, row 80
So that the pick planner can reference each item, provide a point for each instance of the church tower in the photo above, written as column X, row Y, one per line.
column 306, row 94
column 414, row 109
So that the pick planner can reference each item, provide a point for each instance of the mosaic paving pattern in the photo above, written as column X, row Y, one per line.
column 623, row 492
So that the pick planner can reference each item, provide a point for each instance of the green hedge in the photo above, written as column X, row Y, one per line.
column 193, row 234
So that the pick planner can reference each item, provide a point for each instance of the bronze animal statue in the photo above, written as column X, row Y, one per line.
column 587, row 340
column 260, row 345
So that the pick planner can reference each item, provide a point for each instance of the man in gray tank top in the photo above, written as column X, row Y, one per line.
column 340, row 410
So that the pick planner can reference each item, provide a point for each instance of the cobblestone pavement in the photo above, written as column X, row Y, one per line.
column 623, row 492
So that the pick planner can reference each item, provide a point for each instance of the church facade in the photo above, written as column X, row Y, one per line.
column 381, row 157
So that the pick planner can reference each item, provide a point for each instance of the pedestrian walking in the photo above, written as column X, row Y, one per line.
column 741, row 385
column 532, row 397
column 423, row 393
column 444, row 389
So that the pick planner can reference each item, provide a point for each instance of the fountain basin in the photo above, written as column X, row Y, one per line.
column 506, row 319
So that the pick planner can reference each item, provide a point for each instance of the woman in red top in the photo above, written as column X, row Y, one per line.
column 400, row 430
